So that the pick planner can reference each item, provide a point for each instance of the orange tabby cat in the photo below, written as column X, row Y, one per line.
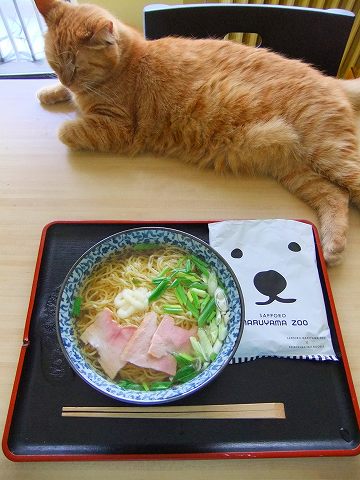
column 211, row 102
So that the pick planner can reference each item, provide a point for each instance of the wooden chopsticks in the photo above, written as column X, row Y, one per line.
column 234, row 410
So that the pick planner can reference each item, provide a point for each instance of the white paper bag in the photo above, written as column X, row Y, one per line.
column 275, row 263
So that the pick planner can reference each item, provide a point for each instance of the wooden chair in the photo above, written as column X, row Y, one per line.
column 316, row 36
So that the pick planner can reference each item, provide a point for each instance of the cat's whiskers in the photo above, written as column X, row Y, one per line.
column 65, row 52
column 112, row 95
column 102, row 95
column 115, row 97
column 93, row 90
column 69, row 60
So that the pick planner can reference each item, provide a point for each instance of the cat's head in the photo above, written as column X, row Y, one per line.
column 82, row 42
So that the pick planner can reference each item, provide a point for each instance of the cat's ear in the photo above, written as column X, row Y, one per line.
column 44, row 6
column 103, row 35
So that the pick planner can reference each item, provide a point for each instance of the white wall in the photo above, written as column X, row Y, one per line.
column 130, row 11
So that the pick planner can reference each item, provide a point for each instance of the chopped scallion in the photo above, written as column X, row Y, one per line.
column 200, row 286
column 159, row 290
column 76, row 307
column 154, row 386
column 194, row 311
column 180, row 294
column 198, row 292
column 130, row 385
column 172, row 309
column 204, row 302
column 207, row 311
column 213, row 356
column 187, row 276
column 195, row 299
column 144, row 246
column 205, row 343
column 183, row 359
column 198, row 348
column 184, row 374
column 200, row 265
column 212, row 283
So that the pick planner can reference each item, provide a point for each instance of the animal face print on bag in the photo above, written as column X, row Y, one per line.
column 270, row 282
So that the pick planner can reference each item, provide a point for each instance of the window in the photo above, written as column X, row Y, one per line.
column 21, row 40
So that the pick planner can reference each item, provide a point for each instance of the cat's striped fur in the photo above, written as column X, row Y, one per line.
column 214, row 103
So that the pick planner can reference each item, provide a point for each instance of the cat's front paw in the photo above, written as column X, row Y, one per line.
column 67, row 135
column 54, row 94
column 72, row 135
column 333, row 249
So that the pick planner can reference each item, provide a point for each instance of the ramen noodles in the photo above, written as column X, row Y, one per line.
column 151, row 317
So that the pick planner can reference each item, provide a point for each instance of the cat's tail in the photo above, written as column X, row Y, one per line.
column 352, row 90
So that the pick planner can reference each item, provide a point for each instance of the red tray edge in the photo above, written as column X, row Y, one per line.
column 209, row 455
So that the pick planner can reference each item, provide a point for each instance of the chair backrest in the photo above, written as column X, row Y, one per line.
column 316, row 36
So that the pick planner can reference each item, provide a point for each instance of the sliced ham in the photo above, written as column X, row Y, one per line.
column 109, row 339
column 170, row 338
column 136, row 350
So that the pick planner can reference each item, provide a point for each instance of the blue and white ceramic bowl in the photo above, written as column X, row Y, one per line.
column 116, row 243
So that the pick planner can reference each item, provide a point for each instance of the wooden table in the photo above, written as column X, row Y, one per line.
column 41, row 182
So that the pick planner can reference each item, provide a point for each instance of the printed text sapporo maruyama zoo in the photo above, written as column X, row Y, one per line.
column 277, row 320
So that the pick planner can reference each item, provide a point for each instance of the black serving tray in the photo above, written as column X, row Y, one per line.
column 322, row 414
